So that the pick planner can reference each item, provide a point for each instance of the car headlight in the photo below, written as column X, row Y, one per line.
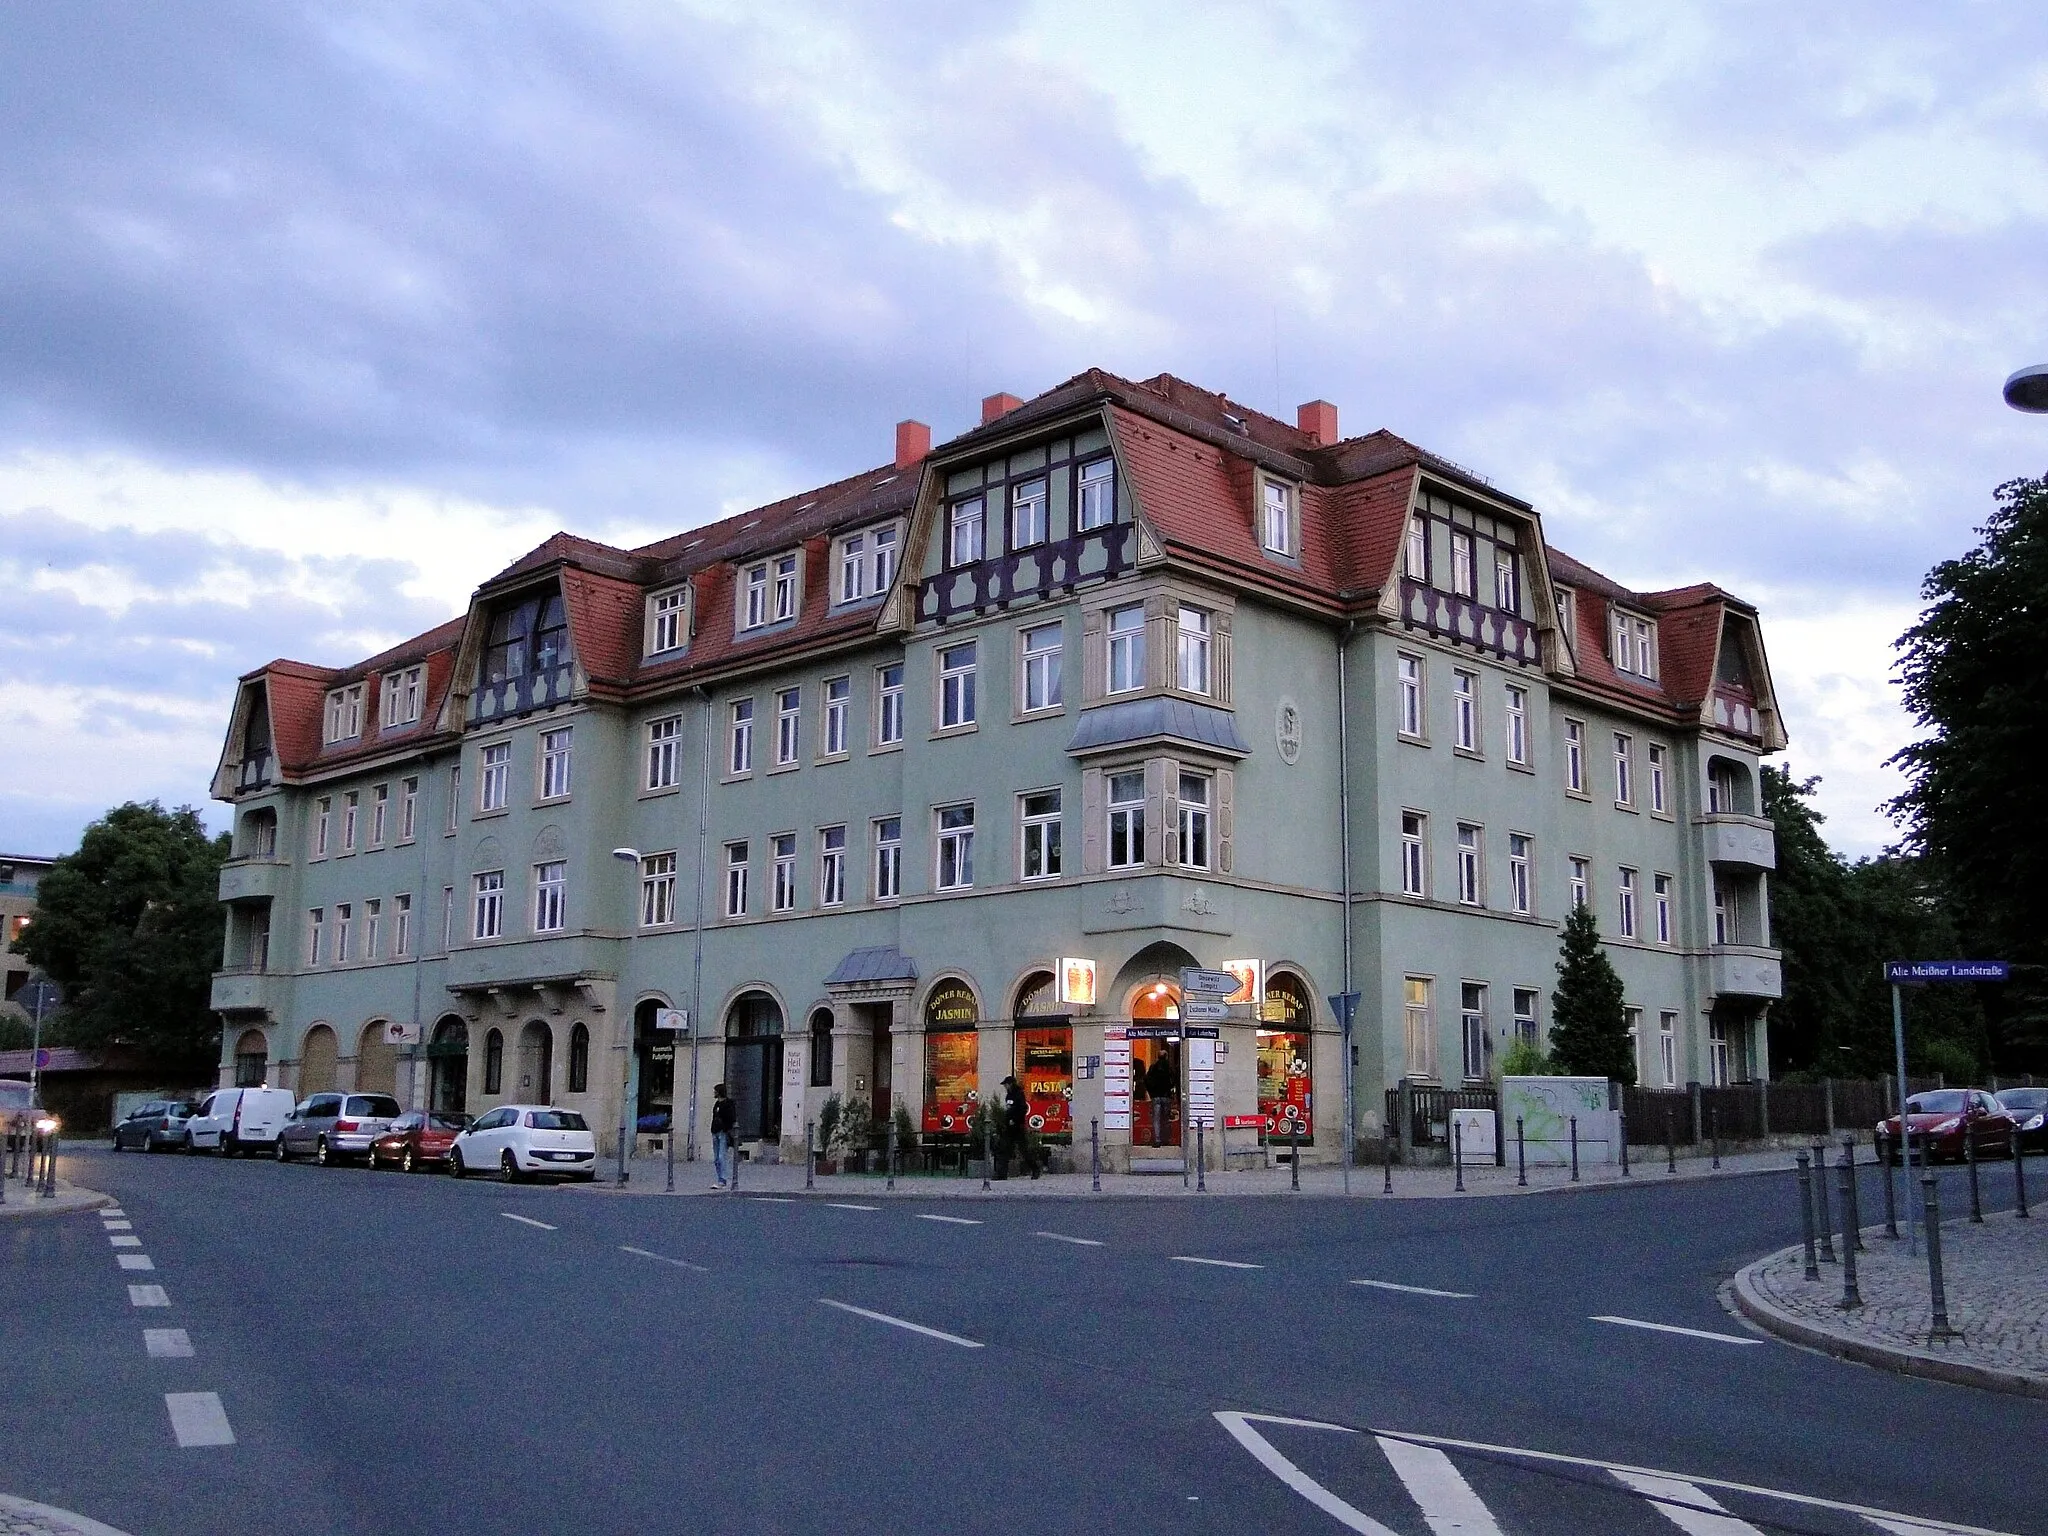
column 2034, row 1124
column 47, row 1124
column 1945, row 1127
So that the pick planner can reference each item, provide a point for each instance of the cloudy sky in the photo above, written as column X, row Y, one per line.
column 313, row 316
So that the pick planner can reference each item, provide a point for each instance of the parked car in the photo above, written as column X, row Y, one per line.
column 521, row 1140
column 2029, row 1108
column 416, row 1141
column 156, row 1125
column 331, row 1126
column 1939, row 1119
column 235, row 1120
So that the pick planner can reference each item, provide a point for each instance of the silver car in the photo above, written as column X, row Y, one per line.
column 329, row 1127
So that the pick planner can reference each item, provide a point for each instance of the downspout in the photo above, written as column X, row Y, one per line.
column 697, row 957
column 1344, row 837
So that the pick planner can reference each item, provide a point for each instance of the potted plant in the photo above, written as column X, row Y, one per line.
column 852, row 1134
column 984, row 1140
column 828, row 1129
column 906, row 1133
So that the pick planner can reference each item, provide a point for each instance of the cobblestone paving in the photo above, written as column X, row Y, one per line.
column 1995, row 1276
column 18, row 1517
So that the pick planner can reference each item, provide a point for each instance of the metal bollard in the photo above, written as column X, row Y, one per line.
column 50, row 1167
column 1294, row 1163
column 733, row 1148
column 1854, row 1215
column 1095, row 1156
column 1670, row 1146
column 988, row 1147
column 1387, row 1156
column 1806, row 1216
column 1621, row 1124
column 1714, row 1135
column 2019, row 1181
column 1458, row 1153
column 1822, row 1222
column 1851, row 1296
column 810, row 1157
column 1891, row 1209
column 1201, row 1156
column 1930, row 1207
column 1521, row 1155
column 1575, row 1149
column 1970, row 1157
column 890, row 1167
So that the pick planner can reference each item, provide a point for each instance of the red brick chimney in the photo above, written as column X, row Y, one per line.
column 913, row 443
column 993, row 406
column 1318, row 422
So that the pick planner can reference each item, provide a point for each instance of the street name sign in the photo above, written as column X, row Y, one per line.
column 1204, row 1009
column 1208, row 983
column 1917, row 972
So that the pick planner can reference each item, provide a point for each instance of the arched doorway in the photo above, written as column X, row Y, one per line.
column 1155, row 1064
column 317, row 1061
column 1287, row 1059
column 448, row 1067
column 1045, row 1056
column 536, row 1064
column 252, row 1059
column 376, row 1060
column 654, row 1069
column 753, row 1066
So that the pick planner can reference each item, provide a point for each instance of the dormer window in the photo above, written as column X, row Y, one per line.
column 1568, row 611
column 867, row 563
column 344, row 713
column 1027, row 514
column 1507, row 586
column 1096, row 498
column 1635, row 646
column 1415, row 564
column 963, row 531
column 785, row 588
column 668, row 621
column 1464, row 578
column 528, row 637
column 756, row 612
column 401, row 693
column 1277, row 508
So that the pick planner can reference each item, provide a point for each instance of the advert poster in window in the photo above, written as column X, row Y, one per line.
column 951, row 1063
column 1045, row 1066
column 1286, row 1085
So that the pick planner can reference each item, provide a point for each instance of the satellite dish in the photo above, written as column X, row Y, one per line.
column 2027, row 390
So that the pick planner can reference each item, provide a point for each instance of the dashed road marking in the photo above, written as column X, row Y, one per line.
column 167, row 1343
column 147, row 1296
column 1416, row 1290
column 112, row 1210
column 529, row 1221
column 902, row 1322
column 773, row 1199
column 1686, row 1505
column 136, row 1261
column 841, row 1205
column 119, row 1241
column 118, row 1226
column 1439, row 1490
column 958, row 1221
column 662, row 1258
column 1690, row 1333
column 1079, row 1242
column 1188, row 1258
column 198, row 1419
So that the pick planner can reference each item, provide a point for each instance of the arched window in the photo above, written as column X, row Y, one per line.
column 821, row 1048
column 579, row 1059
column 753, row 1065
column 654, row 1061
column 494, row 1062
column 252, row 1059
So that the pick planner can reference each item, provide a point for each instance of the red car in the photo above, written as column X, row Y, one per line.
column 1939, row 1119
column 415, row 1141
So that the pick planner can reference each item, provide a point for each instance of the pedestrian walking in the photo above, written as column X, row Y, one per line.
column 724, row 1114
column 1160, row 1086
column 1017, row 1112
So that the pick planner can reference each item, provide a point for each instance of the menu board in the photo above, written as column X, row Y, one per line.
column 1116, row 1078
column 951, row 1077
column 1286, row 1084
column 1201, row 1081
column 1045, row 1066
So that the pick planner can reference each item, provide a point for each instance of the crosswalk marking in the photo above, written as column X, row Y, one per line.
column 198, row 1419
column 1269, row 1457
column 1686, row 1505
column 1439, row 1490
column 167, row 1343
column 135, row 1261
column 147, row 1296
column 119, row 1241
column 117, row 1226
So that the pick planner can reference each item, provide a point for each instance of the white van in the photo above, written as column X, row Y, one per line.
column 239, row 1120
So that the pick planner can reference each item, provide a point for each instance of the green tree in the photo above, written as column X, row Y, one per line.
column 1972, row 675
column 130, row 927
column 1589, row 1023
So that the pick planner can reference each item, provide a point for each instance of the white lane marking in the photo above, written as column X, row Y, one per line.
column 1686, row 1505
column 117, row 1226
column 1439, row 1490
column 958, row 1221
column 135, row 1261
column 147, row 1296
column 197, row 1418
column 1262, row 1449
column 1415, row 1290
column 118, row 1241
column 1727, row 1485
column 112, row 1210
column 529, row 1221
column 902, row 1322
column 841, row 1205
column 773, row 1199
column 662, row 1258
column 167, row 1343
column 1079, row 1242
column 1188, row 1258
column 1690, row 1333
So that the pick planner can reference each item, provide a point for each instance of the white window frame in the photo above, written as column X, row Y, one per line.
column 1411, row 696
column 889, row 704
column 1277, row 503
column 344, row 919
column 1464, row 564
column 1023, row 502
column 1193, row 628
column 1472, row 1029
column 1465, row 698
column 966, row 524
column 351, row 807
column 1123, row 630
column 557, row 762
column 1660, row 886
column 838, row 695
column 958, row 706
column 1624, row 770
column 494, row 780
column 1659, row 796
column 316, row 932
column 658, row 889
column 344, row 716
column 1471, row 865
column 408, row 808
column 1575, row 757
column 1579, row 882
column 789, row 714
column 1095, row 495
column 401, row 925
column 1039, row 835
column 832, row 866
column 550, row 896
column 487, row 910
column 853, row 567
column 1195, row 836
column 1521, row 873
column 1415, row 557
column 664, row 752
column 1667, row 1046
column 1632, row 1020
column 1724, row 914
column 737, row 877
column 1518, row 725
column 739, row 738
column 1507, row 583
column 1415, row 854
column 400, row 693
column 1123, row 819
column 754, row 581
column 788, row 597
column 887, row 837
column 1041, row 650
column 1625, row 893
column 953, row 847
column 782, row 860
column 380, row 814
column 1418, row 1023
column 1528, row 1027
column 668, row 621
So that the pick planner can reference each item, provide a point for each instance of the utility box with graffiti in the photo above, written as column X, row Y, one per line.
column 1546, row 1107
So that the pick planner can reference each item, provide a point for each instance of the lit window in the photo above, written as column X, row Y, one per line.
column 788, row 720
column 889, row 704
column 1520, row 882
column 1464, row 575
column 550, row 892
column 1409, row 697
column 1468, row 864
column 1575, row 756
column 488, row 911
column 494, row 784
column 657, row 890
column 1194, row 820
column 888, row 858
column 1027, row 514
column 1126, row 820
column 740, row 737
column 736, row 879
column 1096, row 499
column 838, row 693
column 1276, row 519
column 664, row 740
column 956, row 847
column 1518, row 725
column 1126, row 648
column 785, row 588
column 1414, row 864
column 1040, row 818
column 1465, row 695
column 831, row 866
column 1418, row 1019
column 665, row 621
column 956, row 686
column 1191, row 652
column 782, row 848
column 1042, row 646
column 963, row 531
column 1626, row 894
column 556, row 758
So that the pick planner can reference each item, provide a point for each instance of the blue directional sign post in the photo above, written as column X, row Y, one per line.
column 1345, row 1005
column 1921, row 973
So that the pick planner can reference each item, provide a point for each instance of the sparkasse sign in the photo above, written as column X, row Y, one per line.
column 1915, row 972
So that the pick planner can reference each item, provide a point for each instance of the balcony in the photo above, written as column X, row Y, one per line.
column 532, row 962
column 1739, row 842
column 252, row 879
column 1743, row 970
column 1095, row 555
column 242, row 989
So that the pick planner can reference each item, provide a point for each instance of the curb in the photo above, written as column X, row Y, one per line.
column 1888, row 1357
column 69, row 1200
column 54, row 1520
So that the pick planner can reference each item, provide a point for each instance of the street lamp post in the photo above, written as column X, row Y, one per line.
column 629, row 856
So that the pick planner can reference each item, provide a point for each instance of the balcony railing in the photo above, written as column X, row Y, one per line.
column 1744, row 970
column 1460, row 618
column 1739, row 842
column 1028, row 573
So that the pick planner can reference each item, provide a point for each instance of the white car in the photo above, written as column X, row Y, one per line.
column 521, row 1140
column 239, row 1120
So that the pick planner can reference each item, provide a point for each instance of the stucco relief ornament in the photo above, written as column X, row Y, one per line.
column 1287, row 730
column 1198, row 902
column 1122, row 900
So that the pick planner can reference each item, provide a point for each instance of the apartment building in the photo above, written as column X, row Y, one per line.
column 947, row 770
column 19, row 876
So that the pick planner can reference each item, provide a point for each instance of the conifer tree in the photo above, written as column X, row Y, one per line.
column 1589, row 1026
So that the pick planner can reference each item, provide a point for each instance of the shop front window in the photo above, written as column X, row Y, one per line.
column 1286, row 1062
column 952, row 1058
column 1045, row 1058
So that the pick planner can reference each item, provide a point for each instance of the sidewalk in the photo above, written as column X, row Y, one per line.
column 20, row 1517
column 649, row 1177
column 1995, row 1277
column 24, row 1203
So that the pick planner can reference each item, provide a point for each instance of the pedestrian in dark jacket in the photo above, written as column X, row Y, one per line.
column 724, row 1115
column 1017, row 1115
column 1161, row 1082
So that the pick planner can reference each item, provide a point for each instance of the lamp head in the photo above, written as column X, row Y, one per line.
column 627, row 855
column 2027, row 390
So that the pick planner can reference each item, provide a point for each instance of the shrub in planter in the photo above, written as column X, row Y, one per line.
column 851, row 1133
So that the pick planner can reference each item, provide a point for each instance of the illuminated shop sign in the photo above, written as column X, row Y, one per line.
column 1077, row 982
column 1250, row 975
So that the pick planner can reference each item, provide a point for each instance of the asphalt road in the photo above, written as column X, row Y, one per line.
column 394, row 1354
